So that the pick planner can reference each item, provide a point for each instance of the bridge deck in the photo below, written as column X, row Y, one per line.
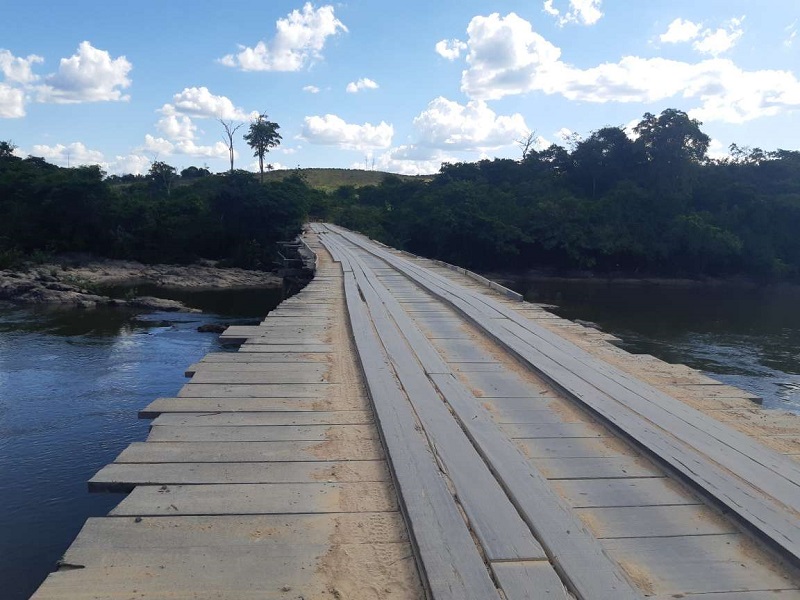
column 445, row 444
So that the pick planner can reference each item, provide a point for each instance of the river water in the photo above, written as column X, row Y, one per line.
column 745, row 336
column 71, row 383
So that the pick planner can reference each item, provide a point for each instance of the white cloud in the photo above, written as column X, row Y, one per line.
column 188, row 147
column 721, row 40
column 680, row 30
column 450, row 49
column 362, row 84
column 507, row 57
column 299, row 40
column 332, row 130
column 135, row 164
column 200, row 102
column 408, row 160
column 311, row 89
column 12, row 102
column 17, row 69
column 73, row 154
column 90, row 75
column 177, row 127
column 706, row 41
column 448, row 124
column 582, row 12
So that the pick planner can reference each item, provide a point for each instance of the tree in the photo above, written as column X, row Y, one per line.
column 262, row 136
column 7, row 149
column 162, row 175
column 527, row 143
column 230, row 128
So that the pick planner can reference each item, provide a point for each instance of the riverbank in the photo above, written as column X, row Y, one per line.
column 83, row 284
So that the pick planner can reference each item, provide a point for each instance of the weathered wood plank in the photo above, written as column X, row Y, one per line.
column 656, row 491
column 654, row 521
column 284, row 348
column 696, row 564
column 595, row 468
column 290, row 375
column 123, row 477
column 261, row 433
column 279, row 390
column 289, row 451
column 177, row 405
column 529, row 581
column 262, row 498
column 246, row 419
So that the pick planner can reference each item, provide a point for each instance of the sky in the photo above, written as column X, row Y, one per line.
column 391, row 86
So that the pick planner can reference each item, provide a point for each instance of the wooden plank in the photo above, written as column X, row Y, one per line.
column 261, row 433
column 283, row 348
column 261, row 357
column 696, row 564
column 493, row 518
column 654, row 521
column 505, row 385
column 246, row 419
column 693, row 437
column 291, row 451
column 529, row 581
column 241, row 377
column 265, row 572
column 261, row 498
column 452, row 566
column 596, row 468
column 573, row 447
column 278, row 390
column 177, row 405
column 117, row 477
column 553, row 430
column 569, row 545
column 655, row 491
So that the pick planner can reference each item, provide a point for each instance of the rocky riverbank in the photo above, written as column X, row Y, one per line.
column 82, row 285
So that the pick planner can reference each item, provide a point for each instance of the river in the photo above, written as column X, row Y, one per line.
column 746, row 336
column 71, row 383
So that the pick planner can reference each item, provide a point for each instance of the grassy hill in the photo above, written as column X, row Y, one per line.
column 330, row 179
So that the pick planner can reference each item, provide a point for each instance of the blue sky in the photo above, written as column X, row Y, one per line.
column 398, row 86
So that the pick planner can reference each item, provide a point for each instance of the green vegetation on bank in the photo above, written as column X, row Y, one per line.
column 161, row 217
column 653, row 205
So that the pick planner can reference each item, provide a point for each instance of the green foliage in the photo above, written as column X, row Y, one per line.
column 655, row 205
column 47, row 209
column 261, row 136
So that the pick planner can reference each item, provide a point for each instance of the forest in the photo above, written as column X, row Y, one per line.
column 648, row 204
column 655, row 205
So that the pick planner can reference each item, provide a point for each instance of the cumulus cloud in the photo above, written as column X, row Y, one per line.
column 187, row 147
column 90, row 75
column 73, row 154
column 311, row 89
column 409, row 160
column 706, row 41
column 200, row 102
column 332, row 130
column 177, row 127
column 680, row 30
column 448, row 124
column 506, row 57
column 362, row 84
column 720, row 40
column 450, row 49
column 17, row 69
column 135, row 164
column 581, row 12
column 299, row 40
column 12, row 102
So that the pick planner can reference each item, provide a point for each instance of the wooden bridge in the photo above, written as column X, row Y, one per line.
column 404, row 429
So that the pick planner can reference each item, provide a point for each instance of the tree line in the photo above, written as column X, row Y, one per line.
column 648, row 204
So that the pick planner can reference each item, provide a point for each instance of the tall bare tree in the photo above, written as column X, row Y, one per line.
column 230, row 127
column 527, row 143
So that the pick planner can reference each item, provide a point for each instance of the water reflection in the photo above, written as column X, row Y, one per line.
column 746, row 336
